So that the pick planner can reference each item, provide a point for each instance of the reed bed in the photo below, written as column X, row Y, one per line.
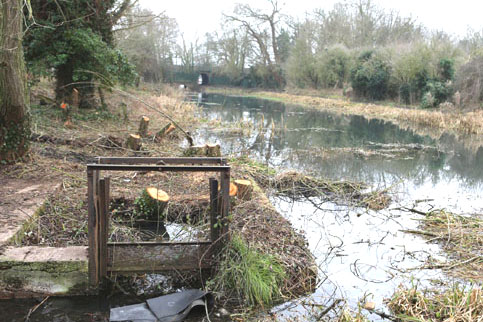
column 457, row 304
column 461, row 237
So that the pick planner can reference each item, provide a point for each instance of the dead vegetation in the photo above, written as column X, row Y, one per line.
column 296, row 185
column 460, row 236
column 457, row 304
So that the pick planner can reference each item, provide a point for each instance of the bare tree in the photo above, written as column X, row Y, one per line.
column 149, row 41
column 262, row 27
column 14, row 112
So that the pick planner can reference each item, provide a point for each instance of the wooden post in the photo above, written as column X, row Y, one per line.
column 214, row 213
column 104, row 185
column 92, row 230
column 225, row 204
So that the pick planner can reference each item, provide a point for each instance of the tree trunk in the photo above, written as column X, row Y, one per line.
column 14, row 111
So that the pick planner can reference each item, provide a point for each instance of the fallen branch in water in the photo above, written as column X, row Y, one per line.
column 33, row 309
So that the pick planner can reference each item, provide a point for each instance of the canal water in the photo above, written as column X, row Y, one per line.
column 362, row 255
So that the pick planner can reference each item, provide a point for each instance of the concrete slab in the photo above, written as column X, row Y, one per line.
column 39, row 271
column 44, row 254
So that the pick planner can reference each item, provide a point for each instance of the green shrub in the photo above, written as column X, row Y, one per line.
column 446, row 69
column 440, row 92
column 427, row 101
column 333, row 67
column 256, row 277
column 370, row 76
column 148, row 207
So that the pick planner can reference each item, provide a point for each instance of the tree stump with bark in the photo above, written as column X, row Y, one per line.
column 244, row 189
column 207, row 150
column 143, row 126
column 164, row 132
column 152, row 202
column 133, row 142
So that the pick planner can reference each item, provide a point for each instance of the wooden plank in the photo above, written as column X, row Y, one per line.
column 214, row 214
column 225, row 204
column 133, row 258
column 158, row 243
column 186, row 168
column 103, row 230
column 92, row 230
column 167, row 161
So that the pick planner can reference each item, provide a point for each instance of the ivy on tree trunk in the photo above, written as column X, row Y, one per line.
column 14, row 112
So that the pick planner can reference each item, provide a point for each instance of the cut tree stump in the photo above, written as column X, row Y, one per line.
column 213, row 150
column 165, row 131
column 233, row 189
column 207, row 150
column 244, row 189
column 143, row 126
column 133, row 142
column 152, row 202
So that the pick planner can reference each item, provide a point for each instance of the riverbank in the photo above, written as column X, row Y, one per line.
column 432, row 122
column 59, row 151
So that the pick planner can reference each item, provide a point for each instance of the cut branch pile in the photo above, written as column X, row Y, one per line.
column 296, row 185
column 460, row 236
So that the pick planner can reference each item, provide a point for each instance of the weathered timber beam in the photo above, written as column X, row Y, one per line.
column 173, row 168
column 167, row 161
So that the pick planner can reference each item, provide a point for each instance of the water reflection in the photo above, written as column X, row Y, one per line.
column 346, row 147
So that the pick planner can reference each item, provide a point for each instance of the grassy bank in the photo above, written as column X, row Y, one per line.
column 430, row 121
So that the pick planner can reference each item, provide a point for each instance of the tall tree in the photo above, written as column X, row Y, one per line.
column 74, row 38
column 149, row 41
column 14, row 110
column 263, row 30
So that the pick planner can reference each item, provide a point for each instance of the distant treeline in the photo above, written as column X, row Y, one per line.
column 356, row 48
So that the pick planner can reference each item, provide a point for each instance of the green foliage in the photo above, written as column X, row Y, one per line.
column 446, row 69
column 73, row 41
column 333, row 66
column 257, row 277
column 370, row 76
column 439, row 91
column 300, row 68
column 147, row 206
column 428, row 100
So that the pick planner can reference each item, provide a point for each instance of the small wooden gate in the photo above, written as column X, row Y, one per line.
column 137, row 257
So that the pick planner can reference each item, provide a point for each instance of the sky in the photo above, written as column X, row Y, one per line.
column 196, row 17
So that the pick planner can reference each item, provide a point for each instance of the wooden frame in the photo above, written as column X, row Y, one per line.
column 105, row 257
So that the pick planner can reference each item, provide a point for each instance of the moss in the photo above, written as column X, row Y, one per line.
column 15, row 139
column 48, row 267
column 61, row 278
column 26, row 227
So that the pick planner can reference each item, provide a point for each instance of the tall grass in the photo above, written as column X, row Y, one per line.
column 250, row 275
column 458, row 303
